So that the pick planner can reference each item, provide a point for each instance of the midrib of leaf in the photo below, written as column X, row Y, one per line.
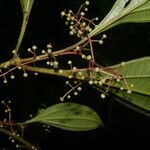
column 62, row 118
column 137, row 76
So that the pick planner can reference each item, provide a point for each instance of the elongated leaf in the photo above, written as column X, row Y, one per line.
column 123, row 11
column 26, row 5
column 139, row 102
column 140, row 14
column 69, row 116
column 137, row 73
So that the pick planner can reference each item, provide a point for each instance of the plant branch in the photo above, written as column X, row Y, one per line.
column 15, row 60
column 65, row 73
column 17, row 138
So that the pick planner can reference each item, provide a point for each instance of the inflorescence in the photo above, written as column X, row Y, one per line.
column 94, row 73
column 14, row 130
column 78, row 24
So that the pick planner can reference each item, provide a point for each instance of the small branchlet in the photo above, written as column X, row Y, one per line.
column 15, row 131
column 75, row 88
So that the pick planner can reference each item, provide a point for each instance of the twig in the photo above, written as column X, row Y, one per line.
column 19, row 139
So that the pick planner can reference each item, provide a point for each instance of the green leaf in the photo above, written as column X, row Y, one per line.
column 138, row 102
column 124, row 11
column 135, row 75
column 138, row 15
column 26, row 5
column 136, row 72
column 69, row 116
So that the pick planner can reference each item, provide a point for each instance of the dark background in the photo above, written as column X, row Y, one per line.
column 124, row 128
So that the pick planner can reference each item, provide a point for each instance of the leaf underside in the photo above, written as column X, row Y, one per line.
column 137, row 73
column 135, row 101
column 124, row 11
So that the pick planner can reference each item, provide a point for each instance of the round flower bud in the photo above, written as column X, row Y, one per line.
column 63, row 13
column 103, row 96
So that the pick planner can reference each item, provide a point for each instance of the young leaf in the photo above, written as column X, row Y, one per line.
column 26, row 5
column 69, row 116
column 124, row 11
